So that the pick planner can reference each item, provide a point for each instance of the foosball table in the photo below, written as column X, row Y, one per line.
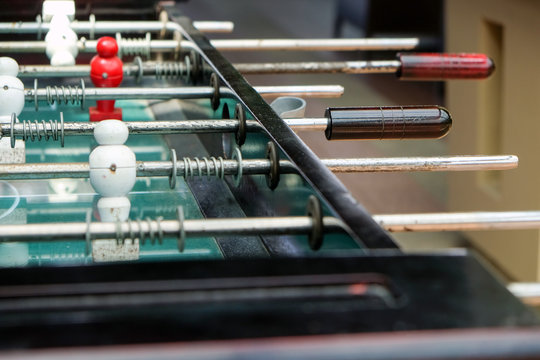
column 155, row 205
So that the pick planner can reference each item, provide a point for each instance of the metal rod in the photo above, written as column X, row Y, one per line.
column 306, row 124
column 48, row 71
column 203, row 26
column 209, row 167
column 235, row 45
column 351, row 123
column 349, row 67
column 440, row 163
column 465, row 221
column 28, row 129
column 175, row 69
column 111, row 27
column 316, row 44
column 294, row 225
column 418, row 66
column 325, row 91
column 529, row 293
column 76, row 95
column 276, row 226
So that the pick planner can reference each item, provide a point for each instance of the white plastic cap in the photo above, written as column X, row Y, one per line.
column 58, row 7
column 62, row 58
column 112, row 209
column 61, row 45
column 59, row 20
column 111, row 132
column 8, row 66
column 11, row 90
column 112, row 170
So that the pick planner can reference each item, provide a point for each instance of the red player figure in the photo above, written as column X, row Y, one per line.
column 106, row 71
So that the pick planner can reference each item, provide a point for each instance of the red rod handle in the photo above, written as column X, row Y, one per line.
column 433, row 66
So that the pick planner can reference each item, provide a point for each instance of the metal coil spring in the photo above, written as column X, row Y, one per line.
column 65, row 95
column 171, row 70
column 62, row 94
column 154, row 233
column 134, row 46
column 39, row 129
column 213, row 167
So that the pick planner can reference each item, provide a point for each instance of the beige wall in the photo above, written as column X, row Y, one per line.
column 498, row 116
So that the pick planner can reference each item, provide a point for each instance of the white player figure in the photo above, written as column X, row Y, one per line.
column 112, row 170
column 61, row 42
column 11, row 102
column 12, row 90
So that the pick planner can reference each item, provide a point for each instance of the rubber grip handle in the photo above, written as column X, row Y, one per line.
column 434, row 66
column 387, row 122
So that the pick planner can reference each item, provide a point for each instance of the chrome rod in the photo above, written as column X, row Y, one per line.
column 175, row 69
column 439, row 163
column 215, row 167
column 307, row 124
column 528, row 292
column 294, row 225
column 350, row 123
column 111, row 27
column 204, row 26
column 463, row 221
column 349, row 67
column 236, row 45
column 275, row 226
column 315, row 44
column 75, row 95
column 416, row 66
column 48, row 71
column 324, row 91
column 45, row 130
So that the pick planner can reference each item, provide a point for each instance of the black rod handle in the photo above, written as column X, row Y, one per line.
column 387, row 122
